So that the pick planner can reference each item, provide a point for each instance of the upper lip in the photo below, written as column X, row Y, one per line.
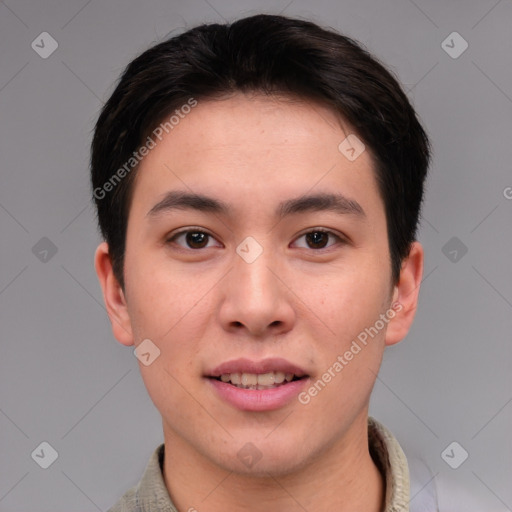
column 243, row 365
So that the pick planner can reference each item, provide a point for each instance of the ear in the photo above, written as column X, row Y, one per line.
column 113, row 296
column 405, row 295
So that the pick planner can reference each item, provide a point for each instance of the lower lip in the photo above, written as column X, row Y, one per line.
column 258, row 399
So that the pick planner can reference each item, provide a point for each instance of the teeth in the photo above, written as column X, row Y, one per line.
column 271, row 378
column 278, row 377
column 257, row 381
column 249, row 379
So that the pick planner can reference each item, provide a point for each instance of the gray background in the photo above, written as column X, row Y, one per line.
column 63, row 377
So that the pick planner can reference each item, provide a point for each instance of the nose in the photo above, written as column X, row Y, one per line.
column 256, row 299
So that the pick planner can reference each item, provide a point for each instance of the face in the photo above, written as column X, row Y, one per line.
column 256, row 255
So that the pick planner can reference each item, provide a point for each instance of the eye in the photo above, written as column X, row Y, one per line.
column 192, row 239
column 318, row 239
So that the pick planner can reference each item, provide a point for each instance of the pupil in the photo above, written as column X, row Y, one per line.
column 196, row 240
column 317, row 239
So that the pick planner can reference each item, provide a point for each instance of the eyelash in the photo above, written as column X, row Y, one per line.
column 173, row 238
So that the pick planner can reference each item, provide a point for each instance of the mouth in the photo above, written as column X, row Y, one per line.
column 258, row 385
column 259, row 381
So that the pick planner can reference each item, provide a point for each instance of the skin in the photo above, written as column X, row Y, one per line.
column 202, row 307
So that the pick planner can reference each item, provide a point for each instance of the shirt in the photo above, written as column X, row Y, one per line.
column 151, row 495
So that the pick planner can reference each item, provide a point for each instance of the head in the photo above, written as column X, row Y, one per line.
column 239, row 224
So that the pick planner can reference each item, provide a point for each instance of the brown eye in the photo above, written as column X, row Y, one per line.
column 318, row 239
column 193, row 239
column 196, row 239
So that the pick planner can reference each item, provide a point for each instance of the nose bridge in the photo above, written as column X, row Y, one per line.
column 254, row 297
column 252, row 274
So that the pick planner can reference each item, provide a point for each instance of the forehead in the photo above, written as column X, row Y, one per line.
column 256, row 147
column 255, row 122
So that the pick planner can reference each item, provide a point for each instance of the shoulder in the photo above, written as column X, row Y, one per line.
column 150, row 494
column 128, row 502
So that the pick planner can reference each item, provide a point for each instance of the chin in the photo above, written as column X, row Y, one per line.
column 261, row 459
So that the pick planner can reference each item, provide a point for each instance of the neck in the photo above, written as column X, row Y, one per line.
column 344, row 478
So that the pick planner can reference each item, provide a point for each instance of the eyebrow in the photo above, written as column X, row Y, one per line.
column 337, row 203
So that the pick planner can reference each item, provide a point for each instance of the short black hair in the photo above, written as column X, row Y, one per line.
column 268, row 54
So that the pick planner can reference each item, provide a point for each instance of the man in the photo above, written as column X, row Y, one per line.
column 258, row 187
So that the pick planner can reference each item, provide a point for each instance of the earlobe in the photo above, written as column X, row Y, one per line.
column 405, row 295
column 113, row 296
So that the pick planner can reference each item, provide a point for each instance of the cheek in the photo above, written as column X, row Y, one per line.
column 351, row 351
column 348, row 303
column 351, row 357
column 161, row 296
column 172, row 309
